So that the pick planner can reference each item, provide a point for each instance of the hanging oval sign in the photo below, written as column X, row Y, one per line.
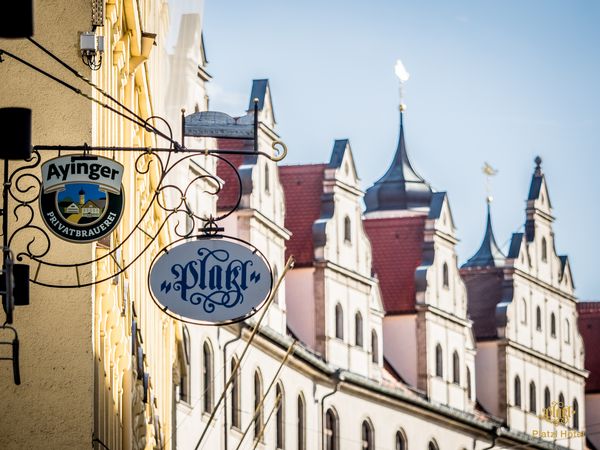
column 211, row 280
column 82, row 196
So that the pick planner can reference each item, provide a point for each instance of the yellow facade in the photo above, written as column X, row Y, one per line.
column 80, row 384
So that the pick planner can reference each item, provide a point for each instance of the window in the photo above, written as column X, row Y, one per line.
column 532, row 395
column 367, row 436
column 275, row 278
column 546, row 398
column 469, row 389
column 374, row 347
column 561, row 400
column 455, row 368
column 184, row 381
column 575, row 414
column 439, row 367
column 445, row 275
column 331, row 431
column 280, row 419
column 339, row 322
column 258, row 407
column 517, row 391
column 301, row 423
column 432, row 445
column 207, row 377
column 400, row 441
column 235, row 394
column 267, row 187
column 544, row 250
column 538, row 318
column 552, row 325
column 347, row 229
column 567, row 331
column 358, row 330
column 523, row 311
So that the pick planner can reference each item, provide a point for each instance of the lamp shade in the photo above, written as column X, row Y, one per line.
column 15, row 129
column 17, row 22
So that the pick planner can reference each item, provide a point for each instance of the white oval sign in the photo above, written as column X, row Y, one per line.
column 211, row 280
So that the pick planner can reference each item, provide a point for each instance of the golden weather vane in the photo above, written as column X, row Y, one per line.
column 403, row 76
column 489, row 172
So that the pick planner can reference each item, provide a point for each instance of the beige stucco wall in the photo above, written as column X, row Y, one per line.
column 52, row 408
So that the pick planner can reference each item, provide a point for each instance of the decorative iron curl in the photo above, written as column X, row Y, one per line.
column 36, row 244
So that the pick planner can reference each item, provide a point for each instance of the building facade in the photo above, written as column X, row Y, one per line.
column 375, row 339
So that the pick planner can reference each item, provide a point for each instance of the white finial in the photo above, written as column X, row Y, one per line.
column 403, row 76
column 489, row 172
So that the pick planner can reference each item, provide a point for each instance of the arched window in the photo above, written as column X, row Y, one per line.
column 301, row 432
column 567, row 331
column 207, row 377
column 469, row 389
column 339, row 322
column 517, row 391
column 347, row 229
column 374, row 347
column 358, row 330
column 544, row 250
column 275, row 278
column 235, row 394
column 575, row 414
column 184, row 381
column 439, row 362
column 561, row 400
column 258, row 406
column 532, row 398
column 432, row 445
column 455, row 368
column 368, row 440
column 332, row 441
column 546, row 398
column 538, row 318
column 280, row 418
column 552, row 325
column 523, row 311
column 267, row 187
column 445, row 281
column 400, row 441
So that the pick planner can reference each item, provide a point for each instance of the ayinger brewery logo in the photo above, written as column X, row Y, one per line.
column 82, row 196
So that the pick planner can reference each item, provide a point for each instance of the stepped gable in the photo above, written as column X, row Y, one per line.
column 397, row 245
column 589, row 327
column 303, row 187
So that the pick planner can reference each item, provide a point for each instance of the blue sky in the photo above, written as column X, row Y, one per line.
column 490, row 81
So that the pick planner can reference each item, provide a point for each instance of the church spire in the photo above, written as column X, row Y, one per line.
column 489, row 254
column 401, row 187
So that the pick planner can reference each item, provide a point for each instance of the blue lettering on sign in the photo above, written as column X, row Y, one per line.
column 222, row 285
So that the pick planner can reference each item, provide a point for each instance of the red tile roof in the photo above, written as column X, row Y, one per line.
column 397, row 245
column 589, row 327
column 228, row 195
column 302, row 186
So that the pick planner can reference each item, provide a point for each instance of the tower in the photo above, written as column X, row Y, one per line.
column 412, row 234
column 529, row 352
column 81, row 197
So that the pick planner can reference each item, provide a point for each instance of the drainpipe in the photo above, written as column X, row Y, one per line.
column 231, row 341
column 337, row 376
column 494, row 437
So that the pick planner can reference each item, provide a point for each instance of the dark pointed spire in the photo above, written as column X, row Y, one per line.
column 489, row 254
column 401, row 187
